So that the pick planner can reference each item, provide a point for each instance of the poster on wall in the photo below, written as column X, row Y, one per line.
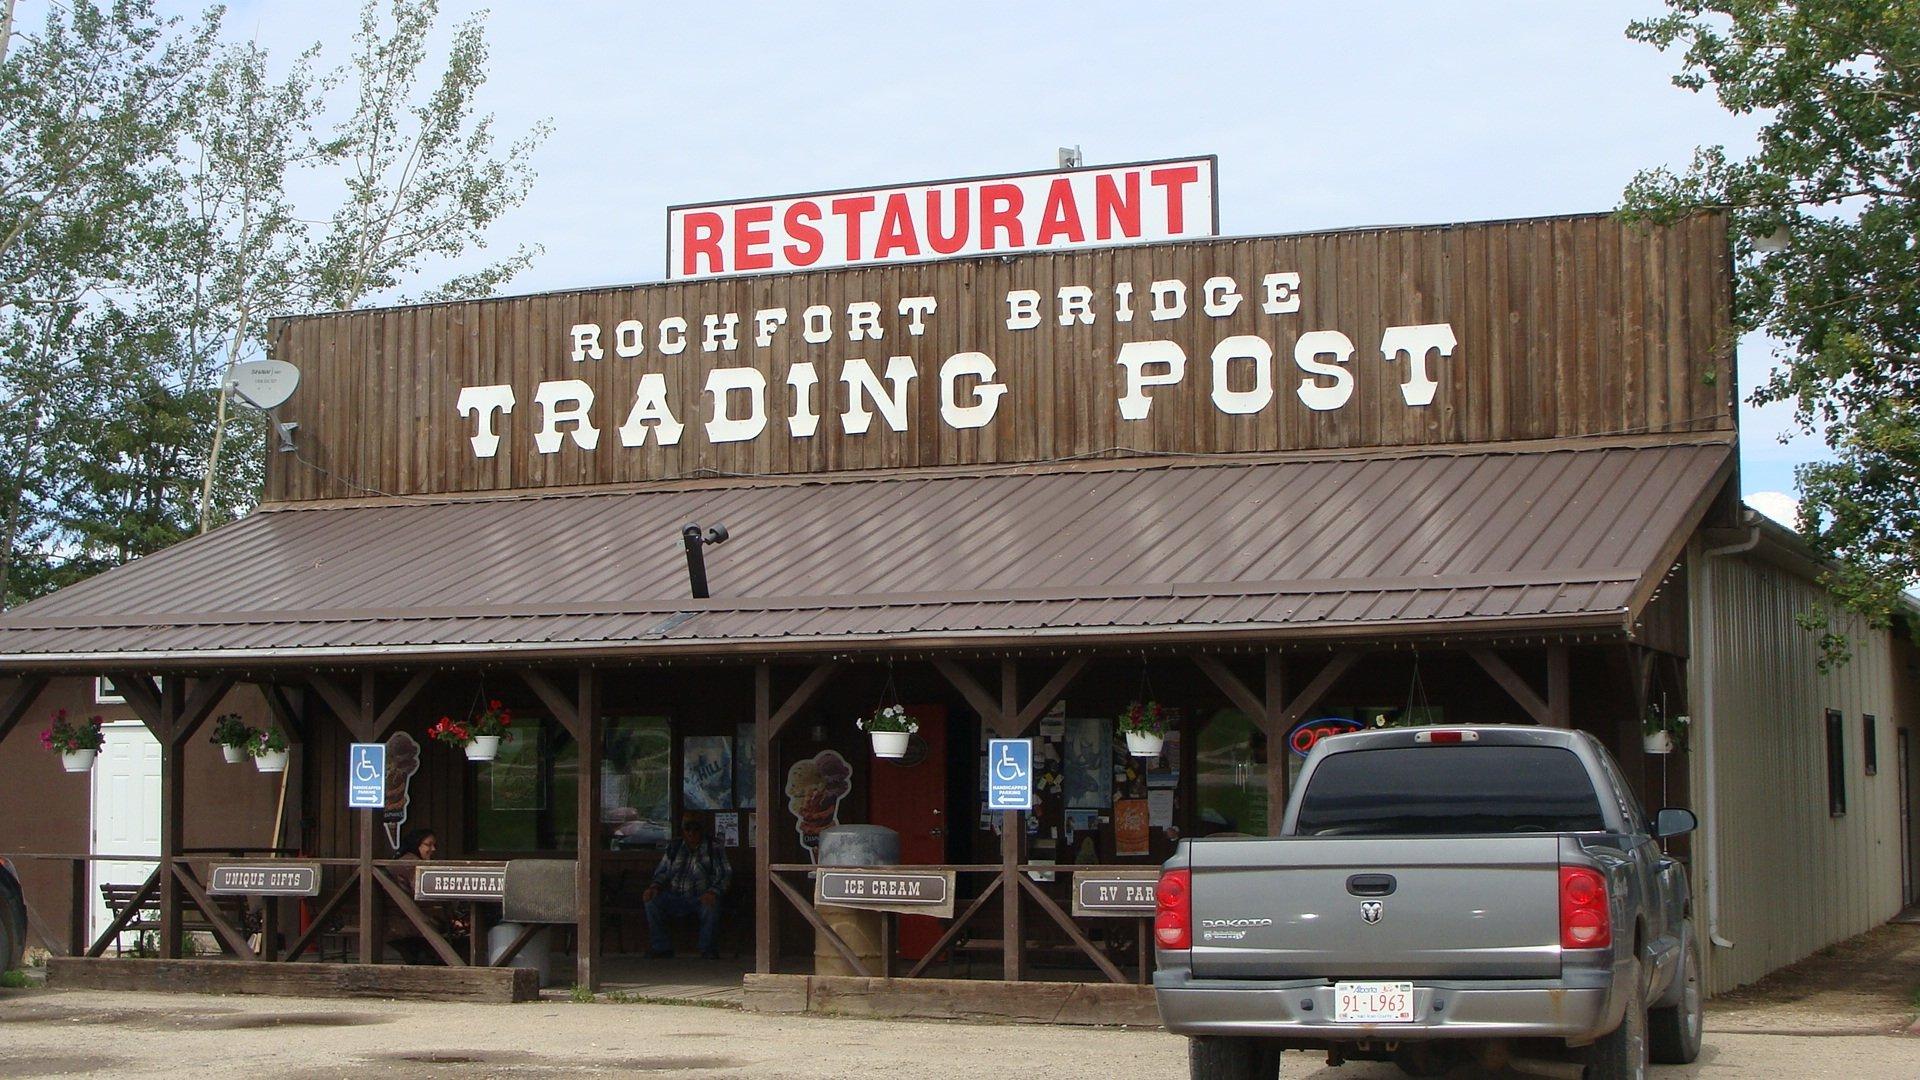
column 814, row 789
column 726, row 829
column 743, row 795
column 403, row 760
column 706, row 772
column 1089, row 780
column 1130, row 828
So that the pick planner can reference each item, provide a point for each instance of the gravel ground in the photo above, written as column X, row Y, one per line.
column 65, row 1033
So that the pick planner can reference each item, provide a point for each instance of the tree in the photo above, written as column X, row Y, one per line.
column 1826, row 224
column 123, row 385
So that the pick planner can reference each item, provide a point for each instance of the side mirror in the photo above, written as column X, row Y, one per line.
column 1673, row 821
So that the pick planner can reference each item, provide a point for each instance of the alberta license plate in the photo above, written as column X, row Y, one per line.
column 1373, row 1003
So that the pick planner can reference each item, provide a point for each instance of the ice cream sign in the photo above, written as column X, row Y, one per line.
column 814, row 789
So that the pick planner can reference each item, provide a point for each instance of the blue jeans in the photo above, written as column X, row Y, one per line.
column 667, row 906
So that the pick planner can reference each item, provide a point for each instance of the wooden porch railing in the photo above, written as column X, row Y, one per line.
column 995, row 879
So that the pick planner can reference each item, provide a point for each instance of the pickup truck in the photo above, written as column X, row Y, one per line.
column 1438, row 897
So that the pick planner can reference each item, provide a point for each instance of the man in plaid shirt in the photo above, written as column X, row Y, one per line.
column 692, row 877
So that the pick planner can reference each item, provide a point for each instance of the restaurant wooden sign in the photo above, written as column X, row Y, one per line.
column 918, row 892
column 1363, row 338
column 264, row 879
column 456, row 881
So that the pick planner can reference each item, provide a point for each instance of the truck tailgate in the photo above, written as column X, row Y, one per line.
column 1479, row 907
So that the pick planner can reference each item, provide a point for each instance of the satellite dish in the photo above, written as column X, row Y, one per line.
column 265, row 383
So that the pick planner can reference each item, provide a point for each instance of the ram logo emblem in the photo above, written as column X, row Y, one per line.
column 1370, row 911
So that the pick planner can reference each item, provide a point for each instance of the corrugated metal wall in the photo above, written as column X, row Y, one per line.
column 1794, row 877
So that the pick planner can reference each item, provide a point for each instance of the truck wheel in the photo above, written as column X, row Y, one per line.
column 1621, row 1054
column 1221, row 1057
column 1673, row 1032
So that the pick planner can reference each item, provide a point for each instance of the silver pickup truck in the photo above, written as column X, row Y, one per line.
column 1438, row 897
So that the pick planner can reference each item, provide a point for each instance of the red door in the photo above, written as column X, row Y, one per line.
column 910, row 797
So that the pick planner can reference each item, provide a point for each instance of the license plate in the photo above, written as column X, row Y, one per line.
column 1373, row 1003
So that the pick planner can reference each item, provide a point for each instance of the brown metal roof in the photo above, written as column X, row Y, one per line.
column 1489, row 541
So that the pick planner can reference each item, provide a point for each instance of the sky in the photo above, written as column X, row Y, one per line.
column 1322, row 115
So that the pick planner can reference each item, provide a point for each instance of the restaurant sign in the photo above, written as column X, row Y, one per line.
column 1114, row 894
column 989, row 215
column 265, row 879
column 916, row 892
column 454, row 882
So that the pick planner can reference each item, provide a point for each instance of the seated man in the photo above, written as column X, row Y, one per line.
column 692, row 877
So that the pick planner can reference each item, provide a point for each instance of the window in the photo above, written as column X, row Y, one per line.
column 1836, row 764
column 1230, row 763
column 1425, row 791
column 636, row 782
column 526, row 799
column 1869, row 744
column 104, row 692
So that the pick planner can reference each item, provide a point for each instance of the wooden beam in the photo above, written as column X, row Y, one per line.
column 286, row 712
column 207, row 695
column 173, row 808
column 343, row 706
column 820, row 927
column 18, row 700
column 586, row 882
column 1559, row 687
column 562, row 708
column 143, row 697
column 1514, row 685
column 1049, row 693
column 970, row 688
column 1236, row 691
column 1066, row 923
column 953, row 929
column 391, row 714
column 120, row 918
column 319, row 924
column 763, row 927
column 797, row 700
column 233, row 939
column 1297, row 709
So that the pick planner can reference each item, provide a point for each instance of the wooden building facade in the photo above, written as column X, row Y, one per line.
column 1409, row 475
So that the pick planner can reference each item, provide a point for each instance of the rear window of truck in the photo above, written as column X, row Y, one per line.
column 1427, row 791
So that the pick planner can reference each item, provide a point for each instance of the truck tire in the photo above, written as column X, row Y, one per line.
column 1621, row 1054
column 1222, row 1057
column 1673, row 1032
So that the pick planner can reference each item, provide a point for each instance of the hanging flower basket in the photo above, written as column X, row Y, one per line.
column 483, row 748
column 232, row 734
column 1145, row 727
column 269, row 750
column 77, row 742
column 891, row 729
column 1661, row 734
column 1658, row 742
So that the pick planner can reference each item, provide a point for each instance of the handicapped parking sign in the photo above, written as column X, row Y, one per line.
column 367, row 776
column 1010, row 774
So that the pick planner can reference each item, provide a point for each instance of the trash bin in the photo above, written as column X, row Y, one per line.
column 536, row 954
column 853, row 845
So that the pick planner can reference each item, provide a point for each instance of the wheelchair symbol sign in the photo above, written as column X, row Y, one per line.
column 367, row 776
column 1010, row 774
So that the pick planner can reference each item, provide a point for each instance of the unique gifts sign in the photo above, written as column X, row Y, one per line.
column 1070, row 208
column 264, row 879
column 1505, row 331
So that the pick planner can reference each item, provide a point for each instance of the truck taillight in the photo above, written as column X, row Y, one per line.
column 1173, row 919
column 1584, row 920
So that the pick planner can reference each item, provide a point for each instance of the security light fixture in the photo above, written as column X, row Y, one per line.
column 695, row 541
column 286, row 431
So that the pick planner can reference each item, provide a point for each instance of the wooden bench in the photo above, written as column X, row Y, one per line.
column 117, row 897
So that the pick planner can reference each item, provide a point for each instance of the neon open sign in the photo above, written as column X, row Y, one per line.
column 1307, row 733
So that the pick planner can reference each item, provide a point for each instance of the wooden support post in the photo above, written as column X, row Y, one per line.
column 78, row 905
column 371, row 943
column 763, row 808
column 1013, row 835
column 1279, row 754
column 173, row 805
column 587, row 862
column 1559, row 684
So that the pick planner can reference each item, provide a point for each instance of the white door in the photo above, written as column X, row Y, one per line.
column 126, row 811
